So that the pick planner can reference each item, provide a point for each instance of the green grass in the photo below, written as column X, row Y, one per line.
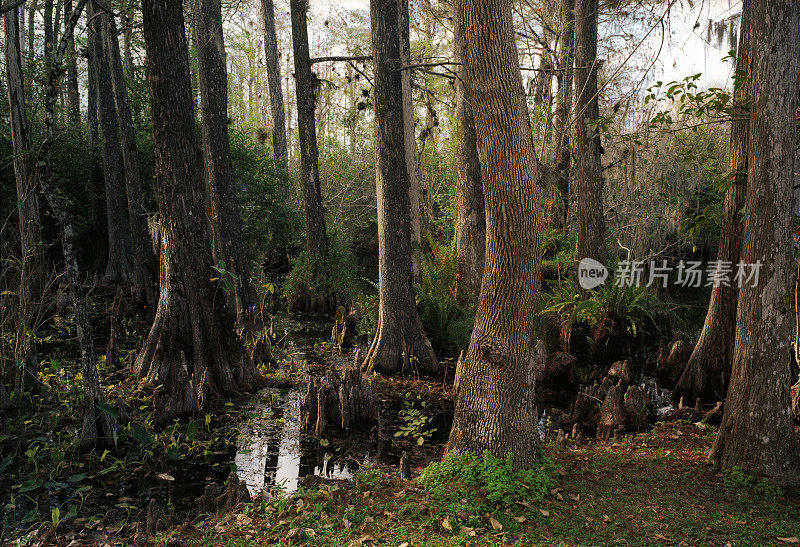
column 653, row 489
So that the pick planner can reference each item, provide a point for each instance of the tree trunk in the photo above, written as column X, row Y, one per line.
column 226, row 233
column 410, row 143
column 119, row 268
column 32, row 275
column 95, row 427
column 400, row 343
column 757, row 433
column 98, row 214
column 495, row 407
column 145, row 269
column 126, row 16
column 588, row 175
column 47, row 21
column 709, row 370
column 306, row 88
column 275, row 89
column 73, row 94
column 559, row 207
column 471, row 216
column 34, row 5
column 192, row 326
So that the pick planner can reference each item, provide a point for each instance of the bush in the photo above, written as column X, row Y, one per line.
column 487, row 482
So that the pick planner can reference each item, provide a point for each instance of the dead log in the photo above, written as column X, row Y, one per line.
column 262, row 350
column 637, row 405
column 585, row 409
column 621, row 370
column 714, row 416
column 612, row 413
column 673, row 357
column 216, row 500
column 156, row 521
column 337, row 405
column 557, row 372
column 405, row 467
column 345, row 328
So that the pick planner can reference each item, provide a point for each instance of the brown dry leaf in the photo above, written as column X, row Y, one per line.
column 310, row 532
column 347, row 523
column 555, row 491
column 606, row 518
column 446, row 525
column 559, row 496
column 468, row 531
column 165, row 477
column 574, row 497
column 327, row 525
column 789, row 540
column 663, row 538
column 369, row 519
column 495, row 524
column 520, row 519
column 525, row 504
column 545, row 513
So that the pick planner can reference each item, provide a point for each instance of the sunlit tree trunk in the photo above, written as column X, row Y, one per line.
column 400, row 343
column 588, row 173
column 275, row 90
column 563, row 156
column 757, row 432
column 709, row 369
column 495, row 406
column 226, row 232
column 471, row 219
column 192, row 352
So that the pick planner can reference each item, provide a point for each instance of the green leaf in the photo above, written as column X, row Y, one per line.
column 108, row 409
column 30, row 485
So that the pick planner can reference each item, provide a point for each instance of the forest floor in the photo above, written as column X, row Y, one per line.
column 655, row 488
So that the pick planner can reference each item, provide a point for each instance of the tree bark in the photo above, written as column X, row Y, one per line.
column 119, row 268
column 305, row 85
column 73, row 94
column 559, row 207
column 192, row 326
column 400, row 343
column 275, row 90
column 471, row 216
column 126, row 16
column 495, row 407
column 98, row 214
column 226, row 232
column 32, row 280
column 709, row 369
column 95, row 427
column 145, row 269
column 757, row 433
column 588, row 173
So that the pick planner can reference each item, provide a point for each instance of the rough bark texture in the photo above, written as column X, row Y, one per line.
column 275, row 90
column 400, row 343
column 495, row 409
column 588, row 174
column 305, row 85
column 192, row 350
column 119, row 268
column 31, row 275
column 709, row 369
column 409, row 132
column 338, row 405
column 226, row 232
column 98, row 213
column 559, row 206
column 145, row 269
column 73, row 99
column 96, row 427
column 471, row 215
column 757, row 432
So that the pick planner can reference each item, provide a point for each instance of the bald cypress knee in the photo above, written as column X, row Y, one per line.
column 495, row 408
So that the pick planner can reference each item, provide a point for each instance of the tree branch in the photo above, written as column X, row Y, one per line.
column 341, row 58
column 11, row 4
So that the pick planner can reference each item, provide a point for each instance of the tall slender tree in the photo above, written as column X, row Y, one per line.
column 709, row 369
column 306, row 88
column 119, row 267
column 757, row 432
column 563, row 154
column 588, row 172
column 226, row 232
column 272, row 56
column 471, row 216
column 400, row 343
column 495, row 407
column 192, row 351
column 30, row 232
column 73, row 99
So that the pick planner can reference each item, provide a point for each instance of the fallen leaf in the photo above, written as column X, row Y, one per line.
column 495, row 524
column 574, row 497
column 606, row 518
column 664, row 538
column 525, row 504
column 347, row 523
column 446, row 525
column 165, row 477
column 520, row 519
column 468, row 531
column 793, row 539
column 545, row 513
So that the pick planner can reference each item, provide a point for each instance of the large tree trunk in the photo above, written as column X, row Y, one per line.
column 588, row 173
column 73, row 102
column 119, row 268
column 409, row 124
column 471, row 217
column 495, row 407
column 275, row 89
column 226, row 233
column 98, row 213
column 192, row 351
column 559, row 207
column 400, row 343
column 145, row 270
column 126, row 16
column 32, row 275
column 96, row 427
column 306, row 84
column 757, row 433
column 709, row 369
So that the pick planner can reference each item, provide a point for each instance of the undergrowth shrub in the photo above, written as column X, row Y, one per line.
column 488, row 484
